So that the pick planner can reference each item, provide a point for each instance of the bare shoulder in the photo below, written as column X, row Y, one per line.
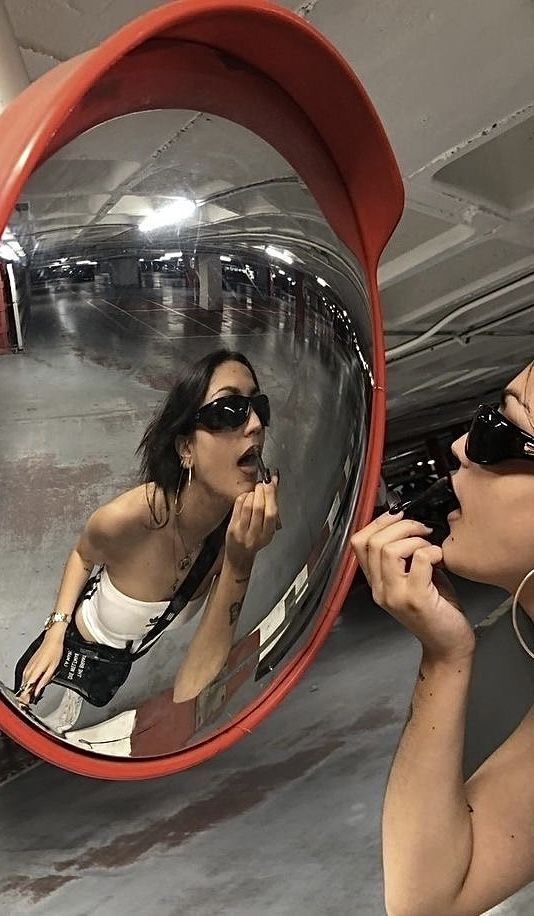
column 501, row 796
column 125, row 519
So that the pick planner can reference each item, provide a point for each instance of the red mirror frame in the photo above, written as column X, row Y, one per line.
column 272, row 72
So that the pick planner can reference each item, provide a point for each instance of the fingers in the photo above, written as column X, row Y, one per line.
column 270, row 516
column 36, row 676
column 258, row 512
column 246, row 512
column 238, row 508
column 422, row 568
column 370, row 542
column 360, row 540
column 44, row 680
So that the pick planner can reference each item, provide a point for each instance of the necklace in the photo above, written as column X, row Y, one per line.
column 186, row 561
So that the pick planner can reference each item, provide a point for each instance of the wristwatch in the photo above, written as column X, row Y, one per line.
column 57, row 617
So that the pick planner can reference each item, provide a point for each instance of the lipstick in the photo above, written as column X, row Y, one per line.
column 432, row 508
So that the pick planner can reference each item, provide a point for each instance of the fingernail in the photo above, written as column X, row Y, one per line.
column 396, row 508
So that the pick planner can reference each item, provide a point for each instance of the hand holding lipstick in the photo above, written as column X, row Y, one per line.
column 253, row 525
column 266, row 478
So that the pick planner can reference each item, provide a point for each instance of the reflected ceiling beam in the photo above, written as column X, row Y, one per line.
column 428, row 253
column 13, row 74
column 413, row 347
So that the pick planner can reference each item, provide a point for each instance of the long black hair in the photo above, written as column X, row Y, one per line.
column 160, row 463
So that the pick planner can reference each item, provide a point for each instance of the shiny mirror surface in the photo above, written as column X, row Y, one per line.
column 142, row 246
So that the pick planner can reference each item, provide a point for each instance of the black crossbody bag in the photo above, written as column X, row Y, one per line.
column 96, row 671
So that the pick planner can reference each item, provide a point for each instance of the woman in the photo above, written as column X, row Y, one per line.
column 455, row 849
column 199, row 464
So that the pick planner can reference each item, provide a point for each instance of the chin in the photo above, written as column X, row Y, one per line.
column 452, row 558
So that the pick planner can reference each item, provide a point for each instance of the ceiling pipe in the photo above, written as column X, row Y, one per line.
column 406, row 349
column 13, row 74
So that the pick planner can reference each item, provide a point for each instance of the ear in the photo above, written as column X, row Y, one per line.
column 183, row 450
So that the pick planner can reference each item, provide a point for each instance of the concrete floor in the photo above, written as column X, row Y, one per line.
column 285, row 822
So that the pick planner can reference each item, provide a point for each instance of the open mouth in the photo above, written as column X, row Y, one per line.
column 456, row 508
column 250, row 458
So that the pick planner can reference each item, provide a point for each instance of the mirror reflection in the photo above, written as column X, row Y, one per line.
column 185, row 432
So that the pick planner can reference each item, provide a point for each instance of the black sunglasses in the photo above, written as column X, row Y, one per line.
column 493, row 438
column 233, row 411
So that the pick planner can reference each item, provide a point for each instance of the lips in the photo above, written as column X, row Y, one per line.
column 457, row 508
column 249, row 458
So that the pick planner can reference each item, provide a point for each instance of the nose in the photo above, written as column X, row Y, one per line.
column 458, row 450
column 253, row 424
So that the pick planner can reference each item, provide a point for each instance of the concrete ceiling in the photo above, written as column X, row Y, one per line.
column 454, row 85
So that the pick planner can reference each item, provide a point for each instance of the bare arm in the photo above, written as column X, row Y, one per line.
column 208, row 650
column 449, row 849
column 105, row 527
column 427, row 838
column 455, row 849
column 251, row 528
column 90, row 551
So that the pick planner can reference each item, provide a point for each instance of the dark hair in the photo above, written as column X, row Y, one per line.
column 159, row 461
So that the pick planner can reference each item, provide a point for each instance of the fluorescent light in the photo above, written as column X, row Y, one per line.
column 321, row 282
column 282, row 272
column 280, row 255
column 225, row 257
column 171, row 254
column 179, row 210
column 93, row 263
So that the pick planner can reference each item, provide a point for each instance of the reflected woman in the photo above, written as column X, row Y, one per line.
column 453, row 848
column 199, row 466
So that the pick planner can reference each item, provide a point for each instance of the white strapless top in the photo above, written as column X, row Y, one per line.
column 113, row 619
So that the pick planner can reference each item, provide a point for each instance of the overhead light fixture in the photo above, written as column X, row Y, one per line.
column 321, row 282
column 279, row 254
column 171, row 254
column 225, row 257
column 92, row 263
column 176, row 212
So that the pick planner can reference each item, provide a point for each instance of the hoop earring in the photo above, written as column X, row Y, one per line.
column 514, row 614
column 177, row 511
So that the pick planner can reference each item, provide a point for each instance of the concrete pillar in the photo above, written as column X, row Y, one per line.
column 262, row 273
column 125, row 272
column 13, row 74
column 210, row 276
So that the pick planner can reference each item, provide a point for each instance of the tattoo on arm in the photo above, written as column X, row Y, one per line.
column 234, row 612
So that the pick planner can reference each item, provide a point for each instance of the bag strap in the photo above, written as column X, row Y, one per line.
column 187, row 588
